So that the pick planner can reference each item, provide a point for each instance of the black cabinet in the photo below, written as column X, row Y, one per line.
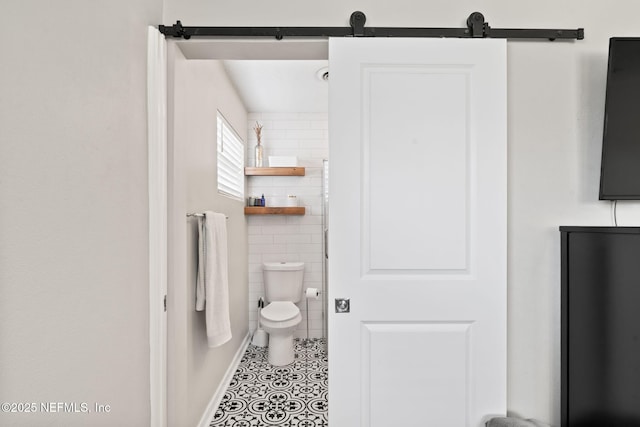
column 600, row 326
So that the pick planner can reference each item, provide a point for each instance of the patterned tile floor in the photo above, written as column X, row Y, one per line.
column 285, row 396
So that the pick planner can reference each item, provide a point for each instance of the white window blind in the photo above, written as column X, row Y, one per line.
column 230, row 160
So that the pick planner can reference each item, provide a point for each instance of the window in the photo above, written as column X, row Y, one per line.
column 230, row 160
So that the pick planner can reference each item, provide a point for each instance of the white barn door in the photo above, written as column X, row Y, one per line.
column 417, row 137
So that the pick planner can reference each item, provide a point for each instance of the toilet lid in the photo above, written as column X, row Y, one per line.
column 279, row 311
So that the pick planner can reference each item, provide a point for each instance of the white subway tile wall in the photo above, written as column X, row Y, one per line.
column 289, row 238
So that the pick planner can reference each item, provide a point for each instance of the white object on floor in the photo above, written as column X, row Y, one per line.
column 280, row 318
column 260, row 336
column 212, row 288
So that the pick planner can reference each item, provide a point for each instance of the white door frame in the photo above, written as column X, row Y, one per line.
column 157, row 186
column 157, row 120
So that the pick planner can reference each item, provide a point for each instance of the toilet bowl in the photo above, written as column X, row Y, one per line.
column 280, row 317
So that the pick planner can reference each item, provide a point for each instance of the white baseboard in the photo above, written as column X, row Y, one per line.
column 224, row 383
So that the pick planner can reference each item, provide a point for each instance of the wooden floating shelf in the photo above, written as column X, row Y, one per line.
column 274, row 171
column 259, row 210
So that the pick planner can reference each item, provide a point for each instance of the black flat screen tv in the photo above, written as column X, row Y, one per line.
column 600, row 316
column 620, row 167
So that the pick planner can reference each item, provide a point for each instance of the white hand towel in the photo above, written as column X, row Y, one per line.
column 212, row 288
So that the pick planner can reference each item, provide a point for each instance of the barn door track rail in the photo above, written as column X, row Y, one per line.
column 477, row 27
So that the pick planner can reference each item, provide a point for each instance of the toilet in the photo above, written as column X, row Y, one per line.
column 280, row 317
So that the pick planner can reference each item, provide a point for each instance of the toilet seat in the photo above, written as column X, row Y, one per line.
column 280, row 311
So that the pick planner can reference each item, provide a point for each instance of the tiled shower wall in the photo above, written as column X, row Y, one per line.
column 275, row 238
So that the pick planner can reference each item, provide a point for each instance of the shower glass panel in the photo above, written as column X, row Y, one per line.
column 325, row 255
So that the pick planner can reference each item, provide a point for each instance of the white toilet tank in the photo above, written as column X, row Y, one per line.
column 283, row 281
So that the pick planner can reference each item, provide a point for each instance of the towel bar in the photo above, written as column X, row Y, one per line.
column 199, row 214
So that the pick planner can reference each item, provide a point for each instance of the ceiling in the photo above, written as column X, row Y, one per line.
column 280, row 86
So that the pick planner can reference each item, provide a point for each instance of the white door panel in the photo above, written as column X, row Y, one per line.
column 444, row 368
column 418, row 231
column 429, row 146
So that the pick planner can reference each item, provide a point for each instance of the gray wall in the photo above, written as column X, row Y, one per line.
column 555, row 114
column 201, row 88
column 74, row 292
